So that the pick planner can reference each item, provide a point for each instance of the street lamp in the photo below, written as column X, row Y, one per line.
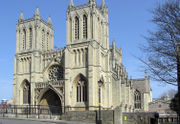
column 100, row 82
column 178, row 80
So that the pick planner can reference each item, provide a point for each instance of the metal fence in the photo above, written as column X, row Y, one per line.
column 31, row 110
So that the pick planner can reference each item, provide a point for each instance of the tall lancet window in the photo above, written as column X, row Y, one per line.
column 81, row 89
column 47, row 42
column 76, row 28
column 26, row 93
column 43, row 39
column 84, row 27
column 137, row 99
column 30, row 38
column 24, row 39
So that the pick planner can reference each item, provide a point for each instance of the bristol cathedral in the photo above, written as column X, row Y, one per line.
column 69, row 77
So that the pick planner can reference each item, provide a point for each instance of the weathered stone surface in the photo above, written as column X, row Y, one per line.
column 90, row 116
column 72, row 73
column 138, row 118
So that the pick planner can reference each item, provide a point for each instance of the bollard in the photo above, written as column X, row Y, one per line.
column 15, row 110
column 27, row 111
column 38, row 111
column 3, row 112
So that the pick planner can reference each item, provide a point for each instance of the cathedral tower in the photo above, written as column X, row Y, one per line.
column 88, row 22
column 34, row 34
column 33, row 37
column 86, row 54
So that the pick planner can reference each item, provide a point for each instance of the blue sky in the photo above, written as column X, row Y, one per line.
column 129, row 20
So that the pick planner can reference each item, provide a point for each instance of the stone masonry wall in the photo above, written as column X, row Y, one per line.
column 138, row 118
column 90, row 116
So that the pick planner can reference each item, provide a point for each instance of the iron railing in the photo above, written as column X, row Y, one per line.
column 31, row 110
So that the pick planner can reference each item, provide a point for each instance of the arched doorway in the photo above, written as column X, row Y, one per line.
column 52, row 101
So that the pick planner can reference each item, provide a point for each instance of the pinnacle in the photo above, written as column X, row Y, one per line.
column 103, row 4
column 21, row 18
column 49, row 20
column 71, row 3
column 37, row 14
column 37, row 11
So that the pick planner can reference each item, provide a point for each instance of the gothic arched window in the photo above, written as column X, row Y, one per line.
column 30, row 38
column 43, row 38
column 47, row 42
column 24, row 39
column 81, row 90
column 84, row 27
column 76, row 28
column 26, row 93
column 78, row 92
column 137, row 99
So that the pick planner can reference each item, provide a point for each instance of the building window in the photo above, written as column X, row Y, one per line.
column 81, row 90
column 76, row 28
column 159, row 105
column 43, row 38
column 84, row 27
column 137, row 99
column 30, row 38
column 26, row 93
column 78, row 92
column 56, row 73
column 24, row 39
column 47, row 41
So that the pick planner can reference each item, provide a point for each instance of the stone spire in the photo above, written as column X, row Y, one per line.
column 37, row 14
column 49, row 21
column 21, row 18
column 103, row 5
column 71, row 4
column 113, row 44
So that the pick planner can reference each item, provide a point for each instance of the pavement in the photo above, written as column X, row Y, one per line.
column 37, row 121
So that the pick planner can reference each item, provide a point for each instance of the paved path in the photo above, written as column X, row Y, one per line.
column 4, row 121
column 36, row 121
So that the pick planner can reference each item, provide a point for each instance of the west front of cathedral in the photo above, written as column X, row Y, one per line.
column 69, row 77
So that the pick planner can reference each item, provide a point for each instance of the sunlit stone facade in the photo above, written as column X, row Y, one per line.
column 69, row 77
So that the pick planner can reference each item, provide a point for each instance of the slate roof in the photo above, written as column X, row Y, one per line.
column 143, row 85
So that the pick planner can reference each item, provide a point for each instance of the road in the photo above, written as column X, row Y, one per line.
column 6, row 121
column 37, row 121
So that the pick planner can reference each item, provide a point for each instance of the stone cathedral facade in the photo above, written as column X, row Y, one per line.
column 69, row 77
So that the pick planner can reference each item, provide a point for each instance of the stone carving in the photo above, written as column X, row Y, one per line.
column 55, row 73
column 54, row 84
column 38, row 91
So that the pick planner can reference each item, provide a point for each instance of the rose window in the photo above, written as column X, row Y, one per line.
column 55, row 73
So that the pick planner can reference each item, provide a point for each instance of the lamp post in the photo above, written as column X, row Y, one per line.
column 100, row 82
column 178, row 80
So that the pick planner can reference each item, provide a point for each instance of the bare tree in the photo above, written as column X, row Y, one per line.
column 160, row 50
column 163, row 45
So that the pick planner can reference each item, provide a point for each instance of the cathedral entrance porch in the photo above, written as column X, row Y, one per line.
column 50, row 97
column 52, row 101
